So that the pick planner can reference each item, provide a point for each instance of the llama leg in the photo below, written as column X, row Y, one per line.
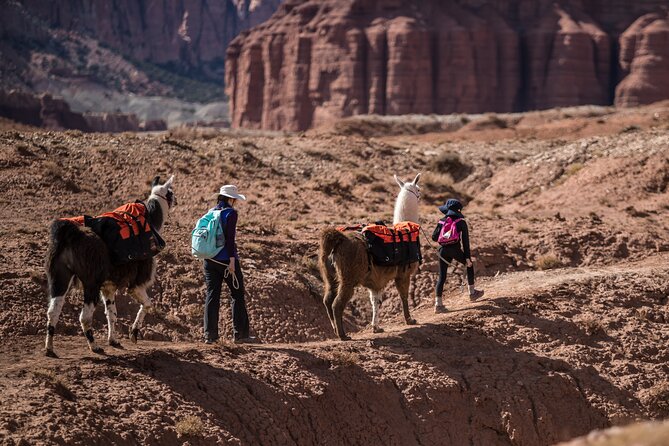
column 375, row 298
column 402, row 281
column 328, row 299
column 59, row 285
column 86, row 318
column 344, row 294
column 140, row 295
column 108, row 295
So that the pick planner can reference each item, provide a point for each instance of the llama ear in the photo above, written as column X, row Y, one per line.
column 400, row 182
column 156, row 181
column 169, row 182
column 415, row 180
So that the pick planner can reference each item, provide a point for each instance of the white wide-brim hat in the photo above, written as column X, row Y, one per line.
column 230, row 190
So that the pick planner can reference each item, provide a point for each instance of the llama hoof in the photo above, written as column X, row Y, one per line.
column 134, row 334
column 50, row 353
column 98, row 350
column 411, row 322
column 114, row 343
column 377, row 329
column 345, row 338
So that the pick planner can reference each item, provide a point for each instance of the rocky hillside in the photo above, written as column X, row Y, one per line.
column 158, row 60
column 569, row 218
column 318, row 60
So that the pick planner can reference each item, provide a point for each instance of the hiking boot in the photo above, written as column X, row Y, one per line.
column 439, row 309
column 247, row 340
column 475, row 294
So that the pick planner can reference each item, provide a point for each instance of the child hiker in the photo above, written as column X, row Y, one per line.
column 452, row 235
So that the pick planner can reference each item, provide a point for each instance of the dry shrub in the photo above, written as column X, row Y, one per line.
column 339, row 358
column 448, row 162
column 191, row 426
column 658, row 399
column 548, row 261
column 630, row 129
column 310, row 263
column 324, row 155
column 50, row 378
column 193, row 311
column 363, row 178
column 592, row 325
column 573, row 168
column 253, row 248
column 379, row 187
column 53, row 170
column 335, row 188
column 437, row 188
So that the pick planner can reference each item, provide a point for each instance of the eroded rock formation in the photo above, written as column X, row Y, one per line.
column 50, row 112
column 318, row 60
column 644, row 61
column 190, row 34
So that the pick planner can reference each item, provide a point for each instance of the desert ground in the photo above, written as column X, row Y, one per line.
column 568, row 211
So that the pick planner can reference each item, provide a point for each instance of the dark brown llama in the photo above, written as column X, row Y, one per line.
column 344, row 264
column 76, row 253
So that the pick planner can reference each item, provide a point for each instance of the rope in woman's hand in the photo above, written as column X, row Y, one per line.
column 227, row 272
column 235, row 280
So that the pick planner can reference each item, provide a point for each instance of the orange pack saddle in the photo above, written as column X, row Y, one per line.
column 390, row 245
column 126, row 231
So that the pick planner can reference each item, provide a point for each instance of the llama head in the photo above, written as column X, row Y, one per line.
column 164, row 191
column 411, row 186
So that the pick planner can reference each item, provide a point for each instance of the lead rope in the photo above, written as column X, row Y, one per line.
column 226, row 273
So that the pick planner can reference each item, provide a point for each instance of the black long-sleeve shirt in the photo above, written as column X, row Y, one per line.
column 464, row 235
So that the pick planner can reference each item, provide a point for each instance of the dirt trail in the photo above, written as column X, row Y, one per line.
column 455, row 378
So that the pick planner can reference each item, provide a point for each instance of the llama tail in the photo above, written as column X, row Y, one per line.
column 331, row 238
column 63, row 233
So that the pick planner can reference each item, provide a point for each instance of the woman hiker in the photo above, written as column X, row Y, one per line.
column 454, row 241
column 225, row 267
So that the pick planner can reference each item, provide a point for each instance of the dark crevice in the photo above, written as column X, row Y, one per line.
column 614, row 67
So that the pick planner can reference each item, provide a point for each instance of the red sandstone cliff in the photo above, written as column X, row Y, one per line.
column 318, row 60
column 190, row 34
column 644, row 61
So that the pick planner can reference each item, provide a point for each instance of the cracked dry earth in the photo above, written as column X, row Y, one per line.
column 546, row 356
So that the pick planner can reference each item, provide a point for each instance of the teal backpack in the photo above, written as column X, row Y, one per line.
column 208, row 239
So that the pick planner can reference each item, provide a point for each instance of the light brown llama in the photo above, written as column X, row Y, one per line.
column 344, row 264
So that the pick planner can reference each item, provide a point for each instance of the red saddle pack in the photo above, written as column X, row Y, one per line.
column 126, row 231
column 393, row 245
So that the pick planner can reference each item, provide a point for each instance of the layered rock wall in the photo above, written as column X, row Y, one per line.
column 318, row 60
column 50, row 112
column 190, row 34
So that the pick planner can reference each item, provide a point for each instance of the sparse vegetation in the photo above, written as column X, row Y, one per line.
column 324, row 155
column 342, row 358
column 630, row 129
column 658, row 399
column 52, row 170
column 448, row 162
column 52, row 380
column 310, row 263
column 190, row 426
column 548, row 261
column 592, row 325
column 573, row 168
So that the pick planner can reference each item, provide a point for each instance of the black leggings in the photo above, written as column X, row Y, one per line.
column 450, row 253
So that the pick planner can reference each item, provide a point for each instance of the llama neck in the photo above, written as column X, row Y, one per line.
column 157, row 209
column 406, row 207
